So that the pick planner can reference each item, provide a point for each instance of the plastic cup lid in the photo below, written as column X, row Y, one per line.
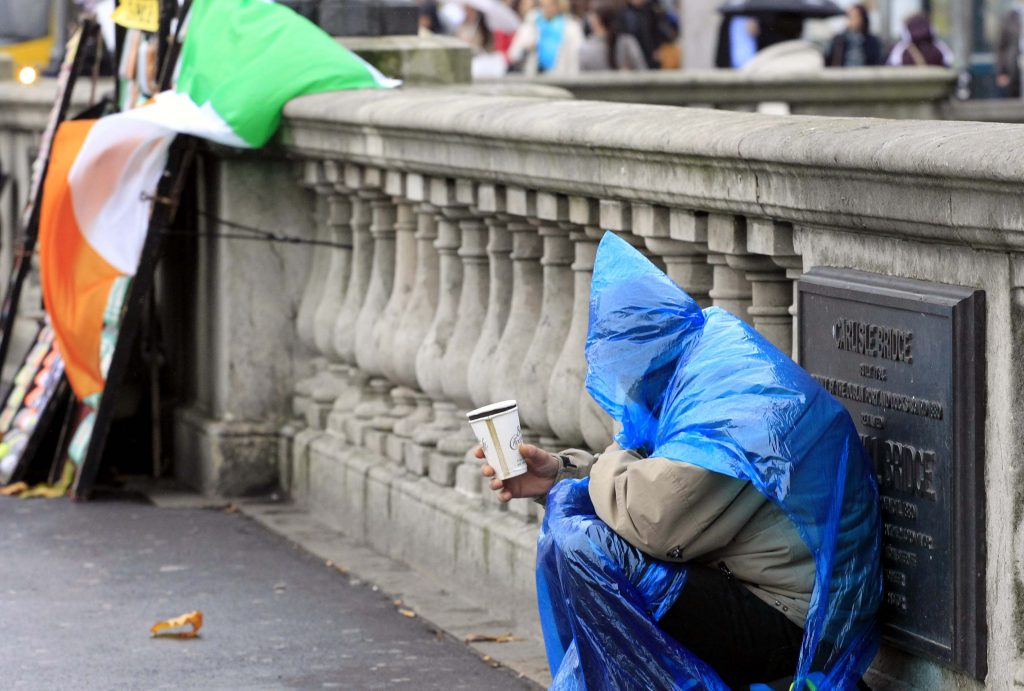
column 491, row 410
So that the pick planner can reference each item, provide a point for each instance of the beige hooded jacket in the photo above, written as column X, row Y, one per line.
column 679, row 512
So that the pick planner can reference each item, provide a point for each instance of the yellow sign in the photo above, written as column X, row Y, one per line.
column 138, row 14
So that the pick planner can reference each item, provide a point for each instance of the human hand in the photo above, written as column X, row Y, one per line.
column 1003, row 80
column 541, row 470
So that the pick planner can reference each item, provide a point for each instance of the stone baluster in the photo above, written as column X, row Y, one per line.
column 527, row 291
column 330, row 382
column 416, row 319
column 555, row 317
column 567, row 393
column 684, row 261
column 313, row 178
column 430, row 356
column 731, row 289
column 389, row 325
column 482, row 372
column 618, row 216
column 344, row 332
column 376, row 405
column 523, row 315
column 775, row 297
column 491, row 203
column 399, row 401
column 687, row 263
column 453, row 449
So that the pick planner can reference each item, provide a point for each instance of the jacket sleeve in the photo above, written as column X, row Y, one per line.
column 666, row 508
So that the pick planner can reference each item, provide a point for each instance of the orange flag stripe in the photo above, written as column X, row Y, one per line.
column 76, row 280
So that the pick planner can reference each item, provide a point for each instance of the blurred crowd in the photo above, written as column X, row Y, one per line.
column 777, row 40
column 565, row 37
column 560, row 37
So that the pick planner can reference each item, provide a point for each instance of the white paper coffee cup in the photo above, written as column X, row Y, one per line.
column 497, row 428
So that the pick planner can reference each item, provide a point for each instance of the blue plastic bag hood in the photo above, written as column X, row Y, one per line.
column 702, row 386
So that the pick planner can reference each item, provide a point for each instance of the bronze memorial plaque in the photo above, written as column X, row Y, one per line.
column 907, row 359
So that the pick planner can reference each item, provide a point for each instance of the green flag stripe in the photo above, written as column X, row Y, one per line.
column 247, row 58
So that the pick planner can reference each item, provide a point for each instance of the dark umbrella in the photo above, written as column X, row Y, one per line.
column 809, row 9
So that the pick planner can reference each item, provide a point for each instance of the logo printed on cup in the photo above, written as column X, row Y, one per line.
column 500, row 434
column 516, row 441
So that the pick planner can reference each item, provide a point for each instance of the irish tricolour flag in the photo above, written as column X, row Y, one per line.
column 241, row 62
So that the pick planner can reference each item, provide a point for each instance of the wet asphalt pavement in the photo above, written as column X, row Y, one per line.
column 80, row 585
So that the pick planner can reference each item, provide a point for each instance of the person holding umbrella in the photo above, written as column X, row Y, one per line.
column 779, row 21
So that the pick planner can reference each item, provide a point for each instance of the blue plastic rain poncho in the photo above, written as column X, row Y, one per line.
column 703, row 387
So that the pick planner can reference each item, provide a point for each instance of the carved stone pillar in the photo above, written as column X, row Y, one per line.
column 727, row 247
column 416, row 319
column 430, row 356
column 376, row 405
column 330, row 382
column 385, row 332
column 617, row 216
column 527, row 291
column 687, row 262
column 566, row 390
column 491, row 202
column 344, row 332
column 313, row 178
column 775, row 296
column 555, row 317
column 453, row 448
column 482, row 366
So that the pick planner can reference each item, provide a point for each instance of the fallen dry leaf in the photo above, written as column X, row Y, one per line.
column 396, row 603
column 407, row 613
column 56, row 490
column 329, row 564
column 13, row 489
column 231, row 508
column 485, row 638
column 195, row 619
column 486, row 658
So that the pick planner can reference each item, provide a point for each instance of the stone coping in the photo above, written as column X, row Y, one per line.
column 854, row 173
column 730, row 87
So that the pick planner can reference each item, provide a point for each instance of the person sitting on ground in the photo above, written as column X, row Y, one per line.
column 857, row 46
column 606, row 48
column 733, row 524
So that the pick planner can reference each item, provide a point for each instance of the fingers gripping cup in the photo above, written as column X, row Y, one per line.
column 497, row 428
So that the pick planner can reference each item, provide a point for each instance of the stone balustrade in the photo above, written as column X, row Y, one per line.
column 510, row 198
column 923, row 93
column 462, row 231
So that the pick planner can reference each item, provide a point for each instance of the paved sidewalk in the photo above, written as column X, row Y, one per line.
column 80, row 585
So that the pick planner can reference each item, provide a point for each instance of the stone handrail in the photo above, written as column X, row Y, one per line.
column 865, row 91
column 805, row 170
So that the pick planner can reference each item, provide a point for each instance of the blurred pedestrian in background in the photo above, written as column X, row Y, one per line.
column 1008, row 52
column 782, row 48
column 607, row 48
column 548, row 41
column 645, row 21
column 857, row 46
column 919, row 46
column 737, row 41
column 670, row 53
column 430, row 22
